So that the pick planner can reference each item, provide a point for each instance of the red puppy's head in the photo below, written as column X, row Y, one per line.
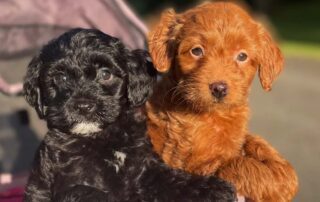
column 213, row 52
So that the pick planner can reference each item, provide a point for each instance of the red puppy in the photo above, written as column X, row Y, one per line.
column 198, row 116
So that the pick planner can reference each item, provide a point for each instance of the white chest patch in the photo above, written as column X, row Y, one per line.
column 85, row 128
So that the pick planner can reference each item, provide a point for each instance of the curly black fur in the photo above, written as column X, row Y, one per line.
column 89, row 88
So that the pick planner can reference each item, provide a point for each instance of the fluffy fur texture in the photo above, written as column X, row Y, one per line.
column 90, row 89
column 198, row 115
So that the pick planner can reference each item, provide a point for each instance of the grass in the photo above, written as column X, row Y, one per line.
column 300, row 49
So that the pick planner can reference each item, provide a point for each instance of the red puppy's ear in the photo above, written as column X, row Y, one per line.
column 162, row 41
column 270, row 59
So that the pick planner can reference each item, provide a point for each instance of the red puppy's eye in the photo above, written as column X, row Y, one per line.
column 197, row 52
column 242, row 57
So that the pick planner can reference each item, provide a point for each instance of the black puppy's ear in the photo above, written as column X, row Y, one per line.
column 31, row 87
column 142, row 77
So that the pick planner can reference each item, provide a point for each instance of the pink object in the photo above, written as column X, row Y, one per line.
column 9, row 89
column 12, row 195
column 5, row 178
column 241, row 199
column 26, row 25
column 13, row 191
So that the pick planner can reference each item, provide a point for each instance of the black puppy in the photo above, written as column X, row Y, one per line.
column 89, row 87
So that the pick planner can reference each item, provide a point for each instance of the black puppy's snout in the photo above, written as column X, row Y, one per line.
column 219, row 89
column 84, row 105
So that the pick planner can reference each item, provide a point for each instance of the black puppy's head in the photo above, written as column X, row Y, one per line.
column 84, row 79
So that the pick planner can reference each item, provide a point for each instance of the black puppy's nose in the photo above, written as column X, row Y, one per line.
column 219, row 89
column 84, row 105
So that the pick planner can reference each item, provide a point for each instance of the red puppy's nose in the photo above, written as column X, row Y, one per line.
column 219, row 89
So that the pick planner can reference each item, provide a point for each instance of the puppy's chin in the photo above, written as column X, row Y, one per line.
column 85, row 128
column 205, row 104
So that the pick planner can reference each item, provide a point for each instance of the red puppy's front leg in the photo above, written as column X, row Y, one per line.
column 261, row 174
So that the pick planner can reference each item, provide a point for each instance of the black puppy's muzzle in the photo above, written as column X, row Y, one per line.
column 84, row 106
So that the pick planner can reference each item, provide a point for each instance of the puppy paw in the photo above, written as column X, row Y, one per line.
column 259, row 149
column 248, row 175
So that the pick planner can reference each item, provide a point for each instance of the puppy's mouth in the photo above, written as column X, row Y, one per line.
column 82, row 115
column 86, row 117
column 84, row 128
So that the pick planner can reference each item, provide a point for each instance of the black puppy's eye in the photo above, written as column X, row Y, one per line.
column 197, row 52
column 105, row 74
column 242, row 57
column 60, row 78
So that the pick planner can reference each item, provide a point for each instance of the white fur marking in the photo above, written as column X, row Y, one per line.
column 116, row 166
column 85, row 128
column 118, row 162
column 121, row 157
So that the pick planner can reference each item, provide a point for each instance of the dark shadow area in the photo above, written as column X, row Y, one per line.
column 18, row 142
column 147, row 7
column 298, row 21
